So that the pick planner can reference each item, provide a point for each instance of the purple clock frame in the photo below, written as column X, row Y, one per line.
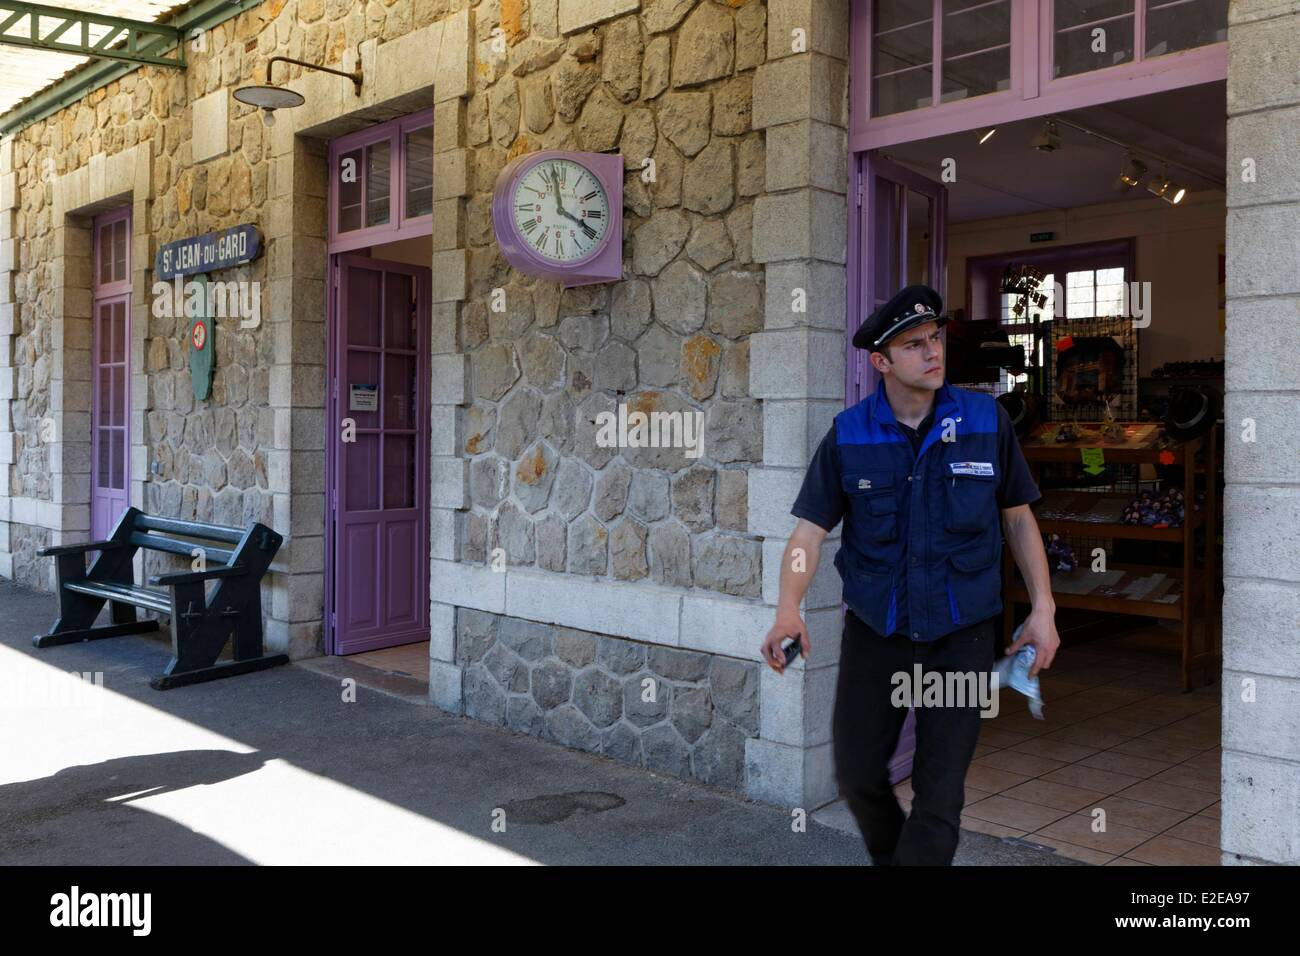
column 602, row 264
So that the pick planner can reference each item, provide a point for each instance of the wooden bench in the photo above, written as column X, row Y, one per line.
column 202, row 623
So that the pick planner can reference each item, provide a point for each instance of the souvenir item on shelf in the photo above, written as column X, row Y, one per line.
column 1166, row 510
column 1061, row 553
column 1192, row 412
column 1112, row 431
column 1023, row 409
column 1066, row 432
column 1088, row 368
column 1209, row 368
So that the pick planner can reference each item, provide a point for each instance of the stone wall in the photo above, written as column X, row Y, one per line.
column 670, row 84
column 678, row 712
column 644, row 545
column 1261, row 504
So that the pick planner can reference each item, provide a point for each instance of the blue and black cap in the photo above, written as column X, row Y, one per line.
column 909, row 308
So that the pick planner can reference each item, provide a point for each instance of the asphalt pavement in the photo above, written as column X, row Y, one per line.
column 279, row 767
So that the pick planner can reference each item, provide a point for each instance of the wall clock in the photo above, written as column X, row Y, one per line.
column 558, row 214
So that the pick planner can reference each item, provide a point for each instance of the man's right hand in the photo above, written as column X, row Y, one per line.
column 788, row 624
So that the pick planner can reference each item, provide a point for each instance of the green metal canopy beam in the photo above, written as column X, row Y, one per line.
column 145, row 42
column 193, row 19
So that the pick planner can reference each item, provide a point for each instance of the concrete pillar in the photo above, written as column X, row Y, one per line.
column 797, row 366
column 1261, row 607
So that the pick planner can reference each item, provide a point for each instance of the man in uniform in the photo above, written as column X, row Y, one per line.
column 919, row 472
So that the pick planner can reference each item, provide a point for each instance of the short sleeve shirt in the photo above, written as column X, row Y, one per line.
column 821, row 500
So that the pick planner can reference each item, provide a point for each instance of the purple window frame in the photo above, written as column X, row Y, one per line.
column 399, row 225
column 101, row 294
column 1033, row 92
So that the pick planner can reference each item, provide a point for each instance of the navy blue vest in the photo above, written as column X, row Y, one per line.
column 932, row 523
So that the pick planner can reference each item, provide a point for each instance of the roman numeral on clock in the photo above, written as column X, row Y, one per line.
column 594, row 192
column 587, row 230
column 594, row 214
column 529, row 226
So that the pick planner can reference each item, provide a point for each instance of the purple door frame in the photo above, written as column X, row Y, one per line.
column 879, row 229
column 878, row 263
column 377, row 501
column 110, row 371
column 345, row 592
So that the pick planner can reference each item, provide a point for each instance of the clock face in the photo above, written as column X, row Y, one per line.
column 560, row 210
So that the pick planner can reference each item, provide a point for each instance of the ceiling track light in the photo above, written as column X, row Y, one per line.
column 1165, row 188
column 1047, row 140
column 1131, row 171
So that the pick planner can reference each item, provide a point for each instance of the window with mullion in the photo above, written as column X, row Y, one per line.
column 973, row 38
column 383, row 178
column 1174, row 25
column 1094, row 34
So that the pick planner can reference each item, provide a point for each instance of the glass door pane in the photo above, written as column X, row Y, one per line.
column 1174, row 25
column 349, row 191
column 378, row 176
column 976, row 48
column 920, row 212
column 418, row 157
column 1091, row 35
column 902, row 55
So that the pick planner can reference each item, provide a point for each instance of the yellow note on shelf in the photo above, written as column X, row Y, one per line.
column 1094, row 462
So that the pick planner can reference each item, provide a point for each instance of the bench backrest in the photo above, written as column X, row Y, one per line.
column 143, row 524
column 254, row 547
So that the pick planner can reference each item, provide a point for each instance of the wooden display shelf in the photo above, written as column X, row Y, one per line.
column 1105, row 509
column 1096, row 514
column 1098, row 598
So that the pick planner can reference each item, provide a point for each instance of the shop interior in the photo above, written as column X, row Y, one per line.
column 1117, row 402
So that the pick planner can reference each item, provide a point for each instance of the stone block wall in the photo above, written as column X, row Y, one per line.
column 734, row 197
column 668, row 85
column 679, row 712
column 1261, row 557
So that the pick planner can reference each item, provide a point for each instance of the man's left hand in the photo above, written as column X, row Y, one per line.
column 1040, row 631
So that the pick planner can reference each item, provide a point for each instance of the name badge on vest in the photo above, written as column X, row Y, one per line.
column 982, row 468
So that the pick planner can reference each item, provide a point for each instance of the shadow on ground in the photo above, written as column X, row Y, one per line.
column 396, row 758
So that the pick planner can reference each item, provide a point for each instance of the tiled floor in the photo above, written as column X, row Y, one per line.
column 409, row 660
column 1119, row 736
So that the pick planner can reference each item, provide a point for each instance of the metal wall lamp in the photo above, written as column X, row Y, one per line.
column 270, row 97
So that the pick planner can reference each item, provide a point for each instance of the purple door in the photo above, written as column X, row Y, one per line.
column 110, row 371
column 899, row 239
column 379, row 424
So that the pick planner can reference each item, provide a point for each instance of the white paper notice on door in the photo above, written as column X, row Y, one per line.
column 363, row 398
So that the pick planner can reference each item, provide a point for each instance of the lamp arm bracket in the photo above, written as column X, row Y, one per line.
column 355, row 76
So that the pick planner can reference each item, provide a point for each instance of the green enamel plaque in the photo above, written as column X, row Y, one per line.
column 202, row 349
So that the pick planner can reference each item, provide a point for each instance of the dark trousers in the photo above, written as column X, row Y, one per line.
column 866, row 726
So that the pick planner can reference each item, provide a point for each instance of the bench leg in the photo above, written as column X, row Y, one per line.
column 122, row 613
column 54, row 639
column 199, row 675
column 246, row 642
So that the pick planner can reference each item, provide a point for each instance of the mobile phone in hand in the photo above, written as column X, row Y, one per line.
column 792, row 650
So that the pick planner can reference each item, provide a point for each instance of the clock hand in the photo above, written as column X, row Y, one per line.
column 555, row 183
